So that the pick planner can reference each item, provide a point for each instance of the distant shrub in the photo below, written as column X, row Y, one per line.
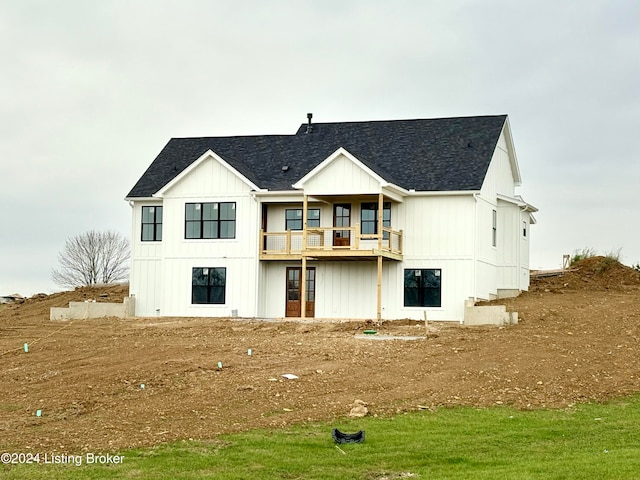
column 615, row 255
column 605, row 263
column 582, row 254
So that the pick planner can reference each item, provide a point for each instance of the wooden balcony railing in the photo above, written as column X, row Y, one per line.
column 330, row 239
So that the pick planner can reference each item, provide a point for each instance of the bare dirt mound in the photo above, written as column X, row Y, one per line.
column 594, row 273
column 577, row 341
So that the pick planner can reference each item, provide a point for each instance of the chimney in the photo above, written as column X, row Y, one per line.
column 309, row 127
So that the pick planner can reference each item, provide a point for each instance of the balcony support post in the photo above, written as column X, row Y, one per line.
column 303, row 273
column 379, row 292
column 380, row 219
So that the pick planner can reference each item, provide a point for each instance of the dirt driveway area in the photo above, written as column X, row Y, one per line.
column 110, row 384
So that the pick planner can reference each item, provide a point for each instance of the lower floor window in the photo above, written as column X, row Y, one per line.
column 423, row 288
column 208, row 285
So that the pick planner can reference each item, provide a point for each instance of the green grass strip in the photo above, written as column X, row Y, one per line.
column 589, row 441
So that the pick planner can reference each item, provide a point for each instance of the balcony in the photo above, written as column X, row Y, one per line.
column 330, row 243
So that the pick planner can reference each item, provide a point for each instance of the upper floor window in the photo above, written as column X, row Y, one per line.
column 293, row 218
column 151, row 224
column 524, row 229
column 369, row 217
column 423, row 288
column 210, row 220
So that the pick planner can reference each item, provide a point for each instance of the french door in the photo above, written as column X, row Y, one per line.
column 294, row 292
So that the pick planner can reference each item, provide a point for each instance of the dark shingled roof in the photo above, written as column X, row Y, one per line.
column 443, row 154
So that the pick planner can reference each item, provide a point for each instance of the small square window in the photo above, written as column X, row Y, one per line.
column 423, row 287
column 208, row 285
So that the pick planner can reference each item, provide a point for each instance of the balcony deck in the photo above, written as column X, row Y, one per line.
column 318, row 243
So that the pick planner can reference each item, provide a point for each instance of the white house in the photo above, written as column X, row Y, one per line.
column 366, row 220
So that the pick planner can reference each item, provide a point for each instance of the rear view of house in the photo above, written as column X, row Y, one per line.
column 367, row 220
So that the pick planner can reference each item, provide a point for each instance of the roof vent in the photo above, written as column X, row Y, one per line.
column 285, row 168
column 309, row 127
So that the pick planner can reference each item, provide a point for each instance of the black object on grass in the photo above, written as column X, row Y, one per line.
column 340, row 437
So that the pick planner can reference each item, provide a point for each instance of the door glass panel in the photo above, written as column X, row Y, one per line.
column 293, row 285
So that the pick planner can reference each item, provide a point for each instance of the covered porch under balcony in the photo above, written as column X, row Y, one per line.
column 334, row 228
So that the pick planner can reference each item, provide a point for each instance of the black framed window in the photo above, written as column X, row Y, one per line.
column 369, row 217
column 210, row 220
column 208, row 285
column 423, row 287
column 524, row 229
column 293, row 218
column 494, row 229
column 151, row 224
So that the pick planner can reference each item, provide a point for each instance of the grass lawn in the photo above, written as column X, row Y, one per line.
column 589, row 441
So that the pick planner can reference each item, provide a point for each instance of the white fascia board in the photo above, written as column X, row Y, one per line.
column 203, row 158
column 444, row 193
column 395, row 194
column 280, row 196
column 327, row 161
column 142, row 199
column 506, row 129
column 285, row 196
column 277, row 193
column 527, row 207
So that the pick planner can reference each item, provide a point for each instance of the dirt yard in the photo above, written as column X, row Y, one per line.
column 109, row 384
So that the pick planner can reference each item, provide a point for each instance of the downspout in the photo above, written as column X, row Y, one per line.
column 519, row 234
column 258, row 266
column 475, row 247
column 131, row 255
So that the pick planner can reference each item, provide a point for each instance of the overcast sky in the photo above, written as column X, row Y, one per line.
column 91, row 91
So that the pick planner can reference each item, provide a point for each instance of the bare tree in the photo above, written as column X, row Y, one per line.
column 92, row 257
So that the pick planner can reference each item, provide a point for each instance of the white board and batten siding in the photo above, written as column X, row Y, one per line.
column 343, row 289
column 438, row 233
column 513, row 256
column 210, row 181
column 145, row 271
column 497, row 266
column 342, row 176
column 451, row 232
